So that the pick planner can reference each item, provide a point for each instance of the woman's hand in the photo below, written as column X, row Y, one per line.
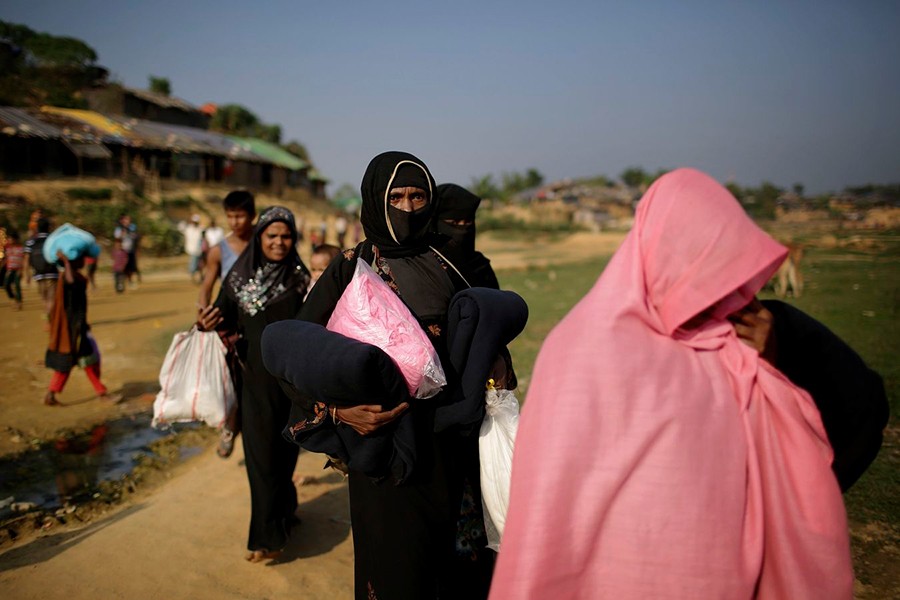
column 499, row 373
column 367, row 418
column 208, row 318
column 754, row 325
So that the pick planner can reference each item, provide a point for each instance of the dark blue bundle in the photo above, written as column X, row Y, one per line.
column 318, row 367
column 480, row 323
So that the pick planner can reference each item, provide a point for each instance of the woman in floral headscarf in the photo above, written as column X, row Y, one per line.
column 266, row 284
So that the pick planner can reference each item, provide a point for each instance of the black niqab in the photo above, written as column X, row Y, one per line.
column 456, row 203
column 386, row 171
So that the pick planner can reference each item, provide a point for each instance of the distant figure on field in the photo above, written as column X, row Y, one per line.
column 126, row 232
column 38, row 268
column 119, row 266
column 36, row 216
column 213, row 234
column 13, row 259
column 340, row 228
column 71, row 342
column 789, row 275
column 193, row 246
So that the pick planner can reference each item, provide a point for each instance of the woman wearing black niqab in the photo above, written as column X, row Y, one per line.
column 266, row 284
column 454, row 221
column 422, row 537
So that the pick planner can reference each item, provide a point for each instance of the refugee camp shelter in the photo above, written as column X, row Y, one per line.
column 55, row 141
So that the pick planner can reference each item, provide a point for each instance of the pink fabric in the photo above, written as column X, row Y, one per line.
column 370, row 312
column 656, row 462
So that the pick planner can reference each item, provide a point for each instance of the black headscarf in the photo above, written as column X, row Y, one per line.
column 394, row 232
column 254, row 282
column 458, row 204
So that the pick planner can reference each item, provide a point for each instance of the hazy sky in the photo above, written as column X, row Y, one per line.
column 792, row 91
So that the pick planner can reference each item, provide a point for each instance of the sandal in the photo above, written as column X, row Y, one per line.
column 226, row 446
column 256, row 556
column 50, row 399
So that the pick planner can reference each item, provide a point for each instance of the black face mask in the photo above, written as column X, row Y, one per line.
column 461, row 237
column 409, row 226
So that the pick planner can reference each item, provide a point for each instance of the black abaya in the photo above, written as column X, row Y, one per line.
column 422, row 538
column 265, row 409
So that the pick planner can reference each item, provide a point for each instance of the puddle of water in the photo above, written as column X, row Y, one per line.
column 70, row 468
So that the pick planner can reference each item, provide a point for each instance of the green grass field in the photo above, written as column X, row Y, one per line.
column 857, row 295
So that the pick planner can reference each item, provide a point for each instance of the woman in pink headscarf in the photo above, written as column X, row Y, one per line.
column 658, row 456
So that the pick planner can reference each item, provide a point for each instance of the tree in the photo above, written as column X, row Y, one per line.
column 160, row 85
column 484, row 187
column 633, row 176
column 16, row 34
column 512, row 183
column 735, row 190
column 270, row 133
column 39, row 68
column 760, row 202
column 798, row 189
column 298, row 150
column 235, row 119
column 345, row 191
column 659, row 173
column 533, row 178
column 61, row 51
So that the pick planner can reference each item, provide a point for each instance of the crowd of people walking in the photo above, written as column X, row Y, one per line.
column 680, row 438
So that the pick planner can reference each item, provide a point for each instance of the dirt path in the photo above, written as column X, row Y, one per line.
column 184, row 539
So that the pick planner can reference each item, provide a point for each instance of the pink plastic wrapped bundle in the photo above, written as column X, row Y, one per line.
column 370, row 312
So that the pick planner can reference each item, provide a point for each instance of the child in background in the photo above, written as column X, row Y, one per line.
column 119, row 264
column 13, row 257
column 240, row 210
column 70, row 340
column 319, row 261
column 40, row 269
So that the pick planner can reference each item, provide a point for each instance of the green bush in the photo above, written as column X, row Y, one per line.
column 162, row 237
column 89, row 193
column 489, row 222
column 178, row 202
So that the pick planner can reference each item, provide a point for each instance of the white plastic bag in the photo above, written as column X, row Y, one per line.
column 370, row 312
column 195, row 381
column 495, row 446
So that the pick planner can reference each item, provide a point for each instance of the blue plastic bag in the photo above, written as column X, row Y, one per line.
column 73, row 241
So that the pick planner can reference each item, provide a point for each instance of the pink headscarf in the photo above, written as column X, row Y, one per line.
column 653, row 461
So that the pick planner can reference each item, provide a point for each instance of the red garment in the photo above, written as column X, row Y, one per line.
column 15, row 254
column 119, row 260
column 659, row 461
column 58, row 379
